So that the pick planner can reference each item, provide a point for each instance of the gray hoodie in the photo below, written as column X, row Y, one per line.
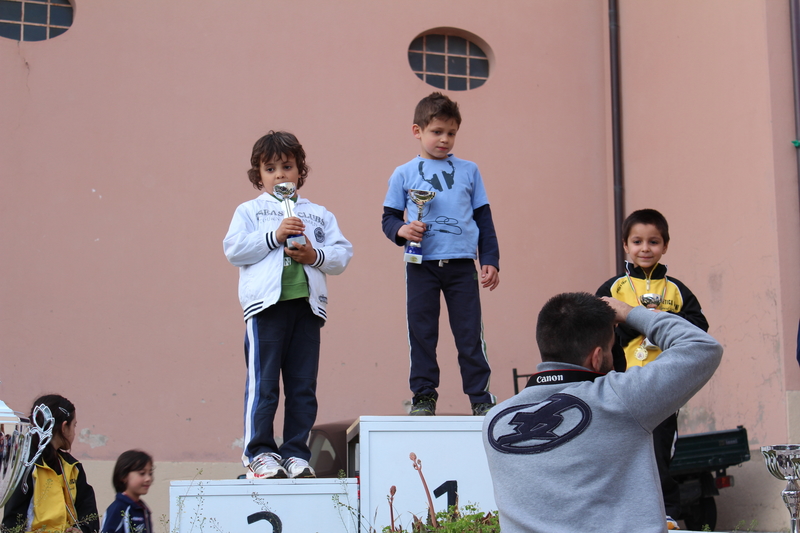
column 578, row 456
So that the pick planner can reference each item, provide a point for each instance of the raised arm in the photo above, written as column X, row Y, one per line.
column 690, row 357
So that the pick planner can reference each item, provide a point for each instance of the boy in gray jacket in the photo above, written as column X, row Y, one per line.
column 554, row 449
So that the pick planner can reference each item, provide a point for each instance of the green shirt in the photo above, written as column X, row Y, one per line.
column 293, row 280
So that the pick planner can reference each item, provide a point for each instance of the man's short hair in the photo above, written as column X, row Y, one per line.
column 571, row 325
column 436, row 105
column 646, row 216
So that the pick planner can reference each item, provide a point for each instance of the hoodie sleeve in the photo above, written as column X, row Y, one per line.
column 690, row 358
column 336, row 251
column 245, row 244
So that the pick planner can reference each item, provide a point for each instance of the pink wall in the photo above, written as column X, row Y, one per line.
column 124, row 145
column 708, row 125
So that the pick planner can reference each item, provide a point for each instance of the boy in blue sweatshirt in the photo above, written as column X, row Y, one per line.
column 457, row 230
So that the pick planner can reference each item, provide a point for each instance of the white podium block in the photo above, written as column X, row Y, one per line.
column 452, row 455
column 242, row 505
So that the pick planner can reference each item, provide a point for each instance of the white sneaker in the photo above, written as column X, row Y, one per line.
column 267, row 466
column 298, row 468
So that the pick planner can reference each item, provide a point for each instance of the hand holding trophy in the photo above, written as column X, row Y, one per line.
column 414, row 249
column 284, row 192
column 651, row 301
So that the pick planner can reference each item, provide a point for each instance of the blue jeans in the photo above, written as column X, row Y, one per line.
column 281, row 341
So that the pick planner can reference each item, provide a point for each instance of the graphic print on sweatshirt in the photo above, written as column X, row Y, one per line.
column 441, row 224
column 539, row 427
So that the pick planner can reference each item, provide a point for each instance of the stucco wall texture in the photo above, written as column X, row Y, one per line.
column 124, row 145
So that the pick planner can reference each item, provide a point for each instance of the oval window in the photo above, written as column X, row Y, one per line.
column 448, row 61
column 34, row 20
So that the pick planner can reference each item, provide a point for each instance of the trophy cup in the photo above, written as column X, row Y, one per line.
column 783, row 462
column 414, row 249
column 650, row 300
column 283, row 192
column 16, row 433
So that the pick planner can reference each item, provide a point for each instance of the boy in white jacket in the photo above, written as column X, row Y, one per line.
column 284, row 295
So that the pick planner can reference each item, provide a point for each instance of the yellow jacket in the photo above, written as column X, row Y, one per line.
column 53, row 503
column 677, row 299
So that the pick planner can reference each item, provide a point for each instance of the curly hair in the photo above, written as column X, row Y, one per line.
column 277, row 144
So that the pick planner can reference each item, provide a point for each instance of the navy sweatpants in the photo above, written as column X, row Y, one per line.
column 281, row 341
column 458, row 281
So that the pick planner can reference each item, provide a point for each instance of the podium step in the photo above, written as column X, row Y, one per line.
column 284, row 505
column 453, row 460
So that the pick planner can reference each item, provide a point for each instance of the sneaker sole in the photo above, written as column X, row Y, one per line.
column 277, row 475
column 306, row 473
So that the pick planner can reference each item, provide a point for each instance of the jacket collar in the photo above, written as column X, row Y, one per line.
column 124, row 498
column 659, row 272
column 269, row 198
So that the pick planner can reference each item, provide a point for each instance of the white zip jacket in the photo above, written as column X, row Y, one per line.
column 252, row 246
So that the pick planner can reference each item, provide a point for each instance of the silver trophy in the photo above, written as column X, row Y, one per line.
column 783, row 462
column 16, row 432
column 420, row 198
column 283, row 192
column 650, row 299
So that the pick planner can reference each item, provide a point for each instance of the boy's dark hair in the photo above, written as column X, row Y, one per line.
column 646, row 216
column 128, row 462
column 280, row 144
column 62, row 410
column 436, row 105
column 571, row 325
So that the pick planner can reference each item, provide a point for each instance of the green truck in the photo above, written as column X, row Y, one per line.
column 700, row 467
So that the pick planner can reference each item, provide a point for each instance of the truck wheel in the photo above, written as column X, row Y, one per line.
column 704, row 512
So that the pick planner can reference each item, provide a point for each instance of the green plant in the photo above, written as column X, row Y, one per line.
column 741, row 524
column 750, row 528
column 453, row 520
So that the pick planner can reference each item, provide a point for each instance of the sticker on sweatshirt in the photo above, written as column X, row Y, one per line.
column 539, row 427
column 319, row 234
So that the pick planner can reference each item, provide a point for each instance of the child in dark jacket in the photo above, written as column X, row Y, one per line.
column 645, row 237
column 133, row 475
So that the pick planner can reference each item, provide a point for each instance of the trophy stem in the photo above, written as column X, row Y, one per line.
column 419, row 217
column 420, row 198
column 791, row 497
